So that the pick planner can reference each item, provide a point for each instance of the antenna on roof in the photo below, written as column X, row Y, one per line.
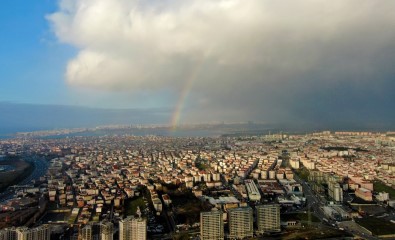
column 138, row 212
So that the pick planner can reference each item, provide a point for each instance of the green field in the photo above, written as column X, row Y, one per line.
column 132, row 204
column 187, row 206
column 381, row 187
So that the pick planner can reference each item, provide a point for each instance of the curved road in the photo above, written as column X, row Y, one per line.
column 40, row 169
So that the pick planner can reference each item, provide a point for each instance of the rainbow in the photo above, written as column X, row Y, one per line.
column 186, row 90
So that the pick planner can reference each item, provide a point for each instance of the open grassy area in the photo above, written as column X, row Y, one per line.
column 202, row 164
column 381, row 187
column 187, row 206
column 377, row 226
column 189, row 212
column 132, row 204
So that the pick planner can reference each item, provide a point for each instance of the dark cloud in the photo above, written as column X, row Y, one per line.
column 308, row 63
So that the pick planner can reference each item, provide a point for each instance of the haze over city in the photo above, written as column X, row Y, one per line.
column 301, row 63
column 197, row 119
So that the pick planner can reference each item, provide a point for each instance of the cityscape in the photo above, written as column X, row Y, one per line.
column 275, row 186
column 197, row 119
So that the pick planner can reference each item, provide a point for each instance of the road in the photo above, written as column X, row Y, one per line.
column 40, row 169
column 314, row 203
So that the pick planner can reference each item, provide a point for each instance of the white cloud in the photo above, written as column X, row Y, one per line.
column 236, row 45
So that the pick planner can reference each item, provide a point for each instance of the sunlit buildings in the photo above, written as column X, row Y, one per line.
column 240, row 223
column 106, row 231
column 335, row 191
column 364, row 194
column 252, row 190
column 86, row 233
column 211, row 225
column 40, row 233
column 382, row 196
column 132, row 228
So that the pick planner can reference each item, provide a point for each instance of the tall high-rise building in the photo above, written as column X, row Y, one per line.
column 211, row 225
column 39, row 233
column 86, row 233
column 42, row 232
column 335, row 191
column 106, row 231
column 23, row 233
column 241, row 223
column 268, row 218
column 132, row 228
column 8, row 234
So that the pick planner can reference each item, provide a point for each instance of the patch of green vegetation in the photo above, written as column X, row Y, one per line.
column 187, row 206
column 132, row 204
column 377, row 226
column 381, row 187
column 285, row 157
column 303, row 173
column 201, row 164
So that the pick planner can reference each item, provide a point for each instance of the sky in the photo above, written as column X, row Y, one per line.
column 306, row 62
